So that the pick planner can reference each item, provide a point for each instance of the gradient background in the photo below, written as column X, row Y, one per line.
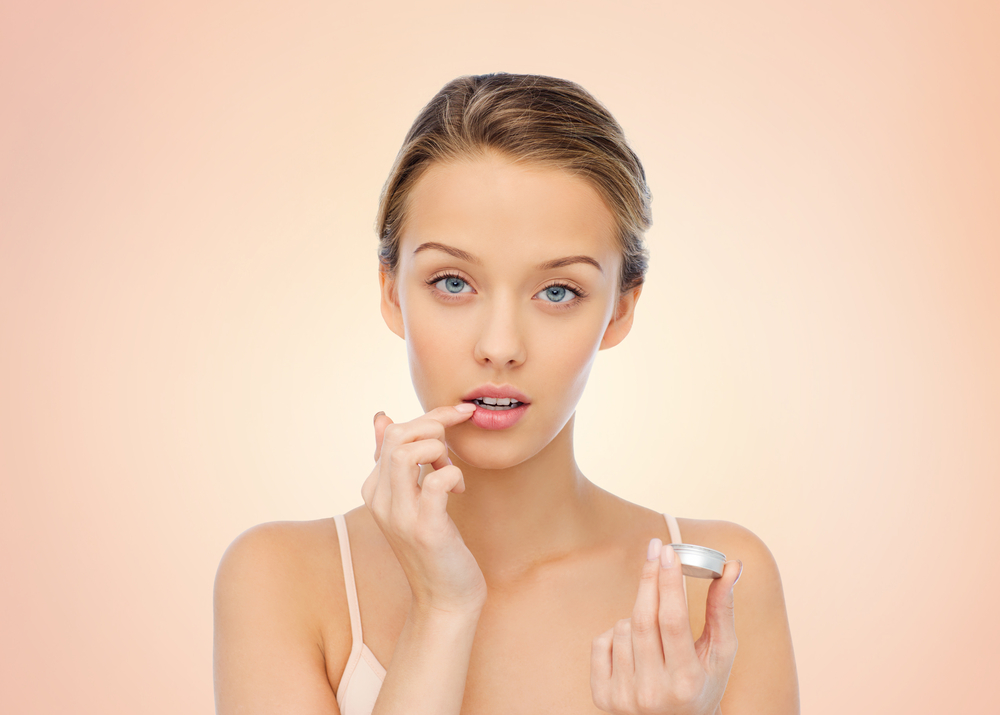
column 191, row 341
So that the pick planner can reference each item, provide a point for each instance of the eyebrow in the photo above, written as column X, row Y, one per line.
column 468, row 257
column 450, row 250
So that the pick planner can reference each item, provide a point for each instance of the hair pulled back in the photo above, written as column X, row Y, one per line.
column 532, row 118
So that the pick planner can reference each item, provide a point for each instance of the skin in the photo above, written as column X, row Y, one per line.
column 492, row 575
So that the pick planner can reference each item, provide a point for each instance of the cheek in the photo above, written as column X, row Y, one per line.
column 434, row 345
column 568, row 353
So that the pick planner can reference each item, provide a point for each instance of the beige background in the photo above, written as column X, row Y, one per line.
column 191, row 341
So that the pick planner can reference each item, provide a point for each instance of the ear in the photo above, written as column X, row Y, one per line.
column 621, row 321
column 391, row 312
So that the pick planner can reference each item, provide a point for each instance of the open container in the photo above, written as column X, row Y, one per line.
column 700, row 561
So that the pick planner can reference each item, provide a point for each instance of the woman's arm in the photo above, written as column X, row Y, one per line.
column 272, row 586
column 269, row 595
column 430, row 664
column 269, row 654
column 431, row 661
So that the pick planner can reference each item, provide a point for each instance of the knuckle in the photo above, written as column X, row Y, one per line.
column 728, row 605
column 648, row 699
column 674, row 627
column 623, row 699
column 644, row 622
column 447, row 476
column 623, row 627
column 436, row 482
column 603, row 639
column 438, row 449
column 399, row 456
column 430, row 426
column 649, row 580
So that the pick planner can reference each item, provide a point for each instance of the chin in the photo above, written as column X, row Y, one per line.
column 492, row 453
column 490, row 458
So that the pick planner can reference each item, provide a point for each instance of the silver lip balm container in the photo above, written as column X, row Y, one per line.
column 700, row 561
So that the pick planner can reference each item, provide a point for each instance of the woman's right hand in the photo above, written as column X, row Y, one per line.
column 412, row 513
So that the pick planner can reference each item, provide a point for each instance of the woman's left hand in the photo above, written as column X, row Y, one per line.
column 650, row 663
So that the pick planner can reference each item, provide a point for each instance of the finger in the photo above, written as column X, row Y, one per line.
column 600, row 669
column 675, row 625
column 381, row 422
column 405, row 461
column 600, row 655
column 646, row 644
column 622, row 657
column 368, row 488
column 437, row 485
column 432, row 424
column 719, row 636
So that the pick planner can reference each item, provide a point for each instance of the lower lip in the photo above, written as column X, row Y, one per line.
column 497, row 419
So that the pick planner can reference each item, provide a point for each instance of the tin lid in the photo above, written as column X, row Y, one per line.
column 700, row 561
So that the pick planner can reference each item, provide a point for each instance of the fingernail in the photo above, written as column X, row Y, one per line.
column 739, row 574
column 466, row 407
column 654, row 549
column 375, row 418
column 667, row 556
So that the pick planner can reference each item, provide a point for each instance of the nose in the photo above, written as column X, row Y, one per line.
column 501, row 342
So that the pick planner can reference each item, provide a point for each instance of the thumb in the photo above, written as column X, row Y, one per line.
column 719, row 636
column 381, row 422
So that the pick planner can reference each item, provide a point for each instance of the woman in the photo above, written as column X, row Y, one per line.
column 485, row 572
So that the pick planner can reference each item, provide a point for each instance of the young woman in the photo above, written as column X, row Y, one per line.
column 485, row 573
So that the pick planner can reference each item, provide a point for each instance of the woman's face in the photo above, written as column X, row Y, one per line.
column 506, row 287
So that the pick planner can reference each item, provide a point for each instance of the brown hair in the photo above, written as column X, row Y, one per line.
column 532, row 118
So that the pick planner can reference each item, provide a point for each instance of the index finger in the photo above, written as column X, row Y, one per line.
column 675, row 624
column 448, row 415
column 646, row 642
column 429, row 425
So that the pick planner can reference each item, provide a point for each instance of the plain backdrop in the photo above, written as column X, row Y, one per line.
column 190, row 341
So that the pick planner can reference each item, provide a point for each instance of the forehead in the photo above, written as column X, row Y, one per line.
column 493, row 207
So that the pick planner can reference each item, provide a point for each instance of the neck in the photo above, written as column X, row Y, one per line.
column 517, row 518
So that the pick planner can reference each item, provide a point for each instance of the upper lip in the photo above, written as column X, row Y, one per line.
column 495, row 391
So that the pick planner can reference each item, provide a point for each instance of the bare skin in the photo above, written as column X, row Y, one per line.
column 518, row 576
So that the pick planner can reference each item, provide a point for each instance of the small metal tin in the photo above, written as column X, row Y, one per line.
column 700, row 561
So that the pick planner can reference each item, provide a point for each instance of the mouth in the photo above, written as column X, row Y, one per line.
column 498, row 407
column 496, row 404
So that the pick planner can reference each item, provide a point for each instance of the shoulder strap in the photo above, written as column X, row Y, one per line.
column 675, row 530
column 349, row 586
column 675, row 538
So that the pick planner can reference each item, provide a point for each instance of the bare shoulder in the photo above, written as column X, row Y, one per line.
column 292, row 563
column 279, row 599
column 280, row 545
column 763, row 678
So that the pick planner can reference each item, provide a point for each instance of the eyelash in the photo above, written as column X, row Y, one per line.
column 579, row 293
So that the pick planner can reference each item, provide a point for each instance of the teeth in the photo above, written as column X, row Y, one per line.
column 497, row 403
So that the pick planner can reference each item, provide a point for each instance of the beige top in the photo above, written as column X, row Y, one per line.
column 363, row 676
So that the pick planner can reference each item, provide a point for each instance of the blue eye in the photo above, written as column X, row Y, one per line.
column 453, row 285
column 557, row 294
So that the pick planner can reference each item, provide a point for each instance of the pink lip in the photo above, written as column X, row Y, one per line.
column 496, row 391
column 497, row 419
